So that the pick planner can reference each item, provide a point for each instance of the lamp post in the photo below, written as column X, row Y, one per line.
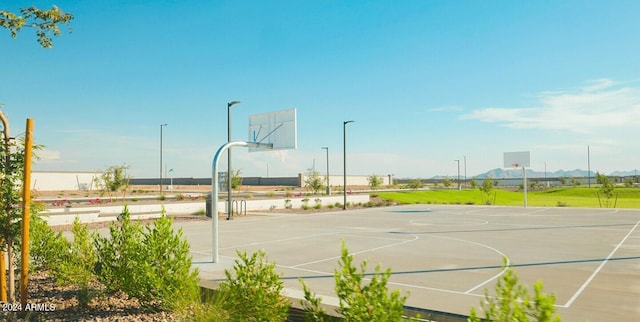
column 229, row 170
column 328, row 186
column 458, row 161
column 161, row 126
column 344, row 156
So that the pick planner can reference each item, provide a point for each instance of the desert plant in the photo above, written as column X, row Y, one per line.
column 606, row 188
column 236, row 179
column 513, row 302
column 312, row 305
column 313, row 181
column 46, row 245
column 119, row 254
column 371, row 302
column 374, row 181
column 305, row 203
column 318, row 202
column 485, row 189
column 252, row 292
column 78, row 263
column 169, row 280
column 152, row 265
column 113, row 180
column 415, row 184
column 446, row 182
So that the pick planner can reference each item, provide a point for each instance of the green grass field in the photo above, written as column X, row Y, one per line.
column 556, row 197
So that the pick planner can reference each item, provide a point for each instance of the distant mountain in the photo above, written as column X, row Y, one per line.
column 499, row 173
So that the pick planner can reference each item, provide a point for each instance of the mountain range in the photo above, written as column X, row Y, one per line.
column 499, row 173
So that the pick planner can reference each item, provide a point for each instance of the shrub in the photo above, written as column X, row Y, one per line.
column 153, row 265
column 170, row 282
column 253, row 294
column 79, row 262
column 46, row 245
column 513, row 302
column 371, row 302
column 119, row 254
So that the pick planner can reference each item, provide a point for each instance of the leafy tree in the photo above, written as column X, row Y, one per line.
column 46, row 22
column 446, row 182
column 606, row 188
column 12, row 160
column 486, row 188
column 374, row 181
column 313, row 181
column 512, row 302
column 473, row 183
column 415, row 184
column 236, row 179
column 113, row 180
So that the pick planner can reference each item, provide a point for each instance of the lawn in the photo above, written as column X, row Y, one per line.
column 556, row 197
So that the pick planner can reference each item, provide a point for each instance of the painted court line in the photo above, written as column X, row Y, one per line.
column 416, row 237
column 593, row 275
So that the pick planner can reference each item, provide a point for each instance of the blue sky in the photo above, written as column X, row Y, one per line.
column 427, row 82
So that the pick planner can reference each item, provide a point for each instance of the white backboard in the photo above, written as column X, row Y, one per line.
column 517, row 159
column 278, row 128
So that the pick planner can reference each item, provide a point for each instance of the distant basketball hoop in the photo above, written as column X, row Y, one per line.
column 519, row 160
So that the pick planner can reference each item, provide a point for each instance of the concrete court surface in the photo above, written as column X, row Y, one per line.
column 446, row 256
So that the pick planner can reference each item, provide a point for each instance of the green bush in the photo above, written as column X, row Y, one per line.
column 152, row 265
column 371, row 302
column 79, row 262
column 512, row 302
column 45, row 245
column 120, row 254
column 253, row 294
column 170, row 281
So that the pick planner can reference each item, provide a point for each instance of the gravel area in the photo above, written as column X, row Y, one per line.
column 51, row 302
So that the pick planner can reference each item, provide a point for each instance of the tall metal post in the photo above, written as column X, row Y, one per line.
column 161, row 126
column 344, row 156
column 229, row 168
column 458, row 161
column 328, row 186
column 589, row 165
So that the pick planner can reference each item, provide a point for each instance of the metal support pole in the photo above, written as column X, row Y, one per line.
column 214, row 196
column 229, row 168
column 161, row 126
column 344, row 156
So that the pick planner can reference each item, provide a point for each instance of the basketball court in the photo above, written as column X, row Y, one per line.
column 446, row 256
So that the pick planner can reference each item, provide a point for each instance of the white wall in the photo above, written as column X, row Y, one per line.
column 338, row 180
column 60, row 180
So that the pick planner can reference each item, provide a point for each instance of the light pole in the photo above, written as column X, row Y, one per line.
column 161, row 126
column 229, row 170
column 328, row 186
column 458, row 161
column 344, row 156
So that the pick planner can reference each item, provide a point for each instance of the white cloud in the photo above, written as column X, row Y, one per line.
column 601, row 105
column 46, row 155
